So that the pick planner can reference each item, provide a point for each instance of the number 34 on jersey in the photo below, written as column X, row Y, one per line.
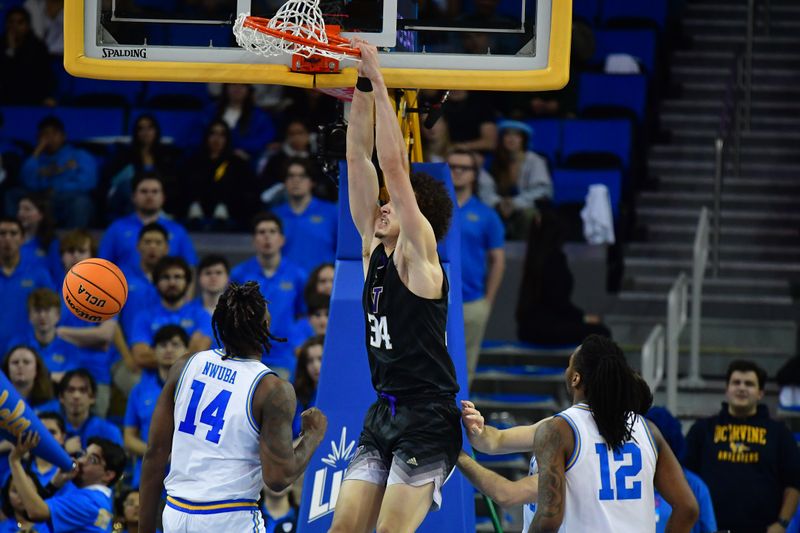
column 379, row 332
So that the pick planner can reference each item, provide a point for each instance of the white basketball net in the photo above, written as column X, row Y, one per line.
column 302, row 18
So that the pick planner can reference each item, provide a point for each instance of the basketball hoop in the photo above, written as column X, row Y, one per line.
column 297, row 29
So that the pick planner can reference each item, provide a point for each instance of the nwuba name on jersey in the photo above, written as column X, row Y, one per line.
column 220, row 372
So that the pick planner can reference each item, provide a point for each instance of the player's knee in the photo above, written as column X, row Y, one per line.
column 390, row 525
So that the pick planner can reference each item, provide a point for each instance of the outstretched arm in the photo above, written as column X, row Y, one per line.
column 393, row 159
column 504, row 492
column 362, row 178
column 488, row 439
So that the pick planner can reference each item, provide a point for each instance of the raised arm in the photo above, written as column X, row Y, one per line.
column 670, row 482
column 159, row 447
column 393, row 158
column 362, row 178
column 282, row 461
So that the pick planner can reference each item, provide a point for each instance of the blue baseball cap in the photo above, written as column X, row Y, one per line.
column 515, row 125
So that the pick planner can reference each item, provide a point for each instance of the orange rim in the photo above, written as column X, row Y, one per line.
column 336, row 44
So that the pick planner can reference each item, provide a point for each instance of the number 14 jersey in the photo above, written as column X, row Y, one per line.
column 215, row 444
column 609, row 491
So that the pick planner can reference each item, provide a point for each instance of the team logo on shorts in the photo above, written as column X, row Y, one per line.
column 328, row 479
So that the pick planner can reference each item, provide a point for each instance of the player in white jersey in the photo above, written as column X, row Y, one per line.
column 226, row 420
column 521, row 439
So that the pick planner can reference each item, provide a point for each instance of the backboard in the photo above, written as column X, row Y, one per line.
column 501, row 45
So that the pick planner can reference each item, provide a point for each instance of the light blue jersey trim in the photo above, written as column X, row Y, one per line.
column 250, row 394
column 649, row 435
column 576, row 449
column 183, row 373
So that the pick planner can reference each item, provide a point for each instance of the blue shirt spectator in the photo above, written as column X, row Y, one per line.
column 41, row 245
column 481, row 231
column 18, row 278
column 78, row 391
column 309, row 224
column 139, row 412
column 59, row 356
column 94, row 358
column 283, row 289
column 85, row 510
column 251, row 128
column 119, row 240
column 69, row 173
column 706, row 522
column 152, row 244
column 173, row 277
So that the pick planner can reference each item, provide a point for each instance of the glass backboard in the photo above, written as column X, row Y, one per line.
column 502, row 45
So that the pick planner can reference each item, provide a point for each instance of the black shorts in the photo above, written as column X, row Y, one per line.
column 417, row 445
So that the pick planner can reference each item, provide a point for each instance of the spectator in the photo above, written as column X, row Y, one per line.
column 94, row 341
column 749, row 461
column 152, row 245
column 483, row 256
column 24, row 62
column 17, row 518
column 43, row 470
column 47, row 21
column 298, row 144
column 308, row 222
column 41, row 244
column 27, row 372
column 18, row 278
column 320, row 281
column 119, row 241
column 251, row 128
column 44, row 313
column 169, row 344
column 77, row 392
column 219, row 187
column 88, row 505
column 306, row 380
column 471, row 120
column 213, row 276
column 437, row 142
column 521, row 178
column 316, row 323
column 146, row 154
column 172, row 277
column 545, row 312
column 279, row 513
column 281, row 283
column 128, row 512
column 670, row 428
column 69, row 174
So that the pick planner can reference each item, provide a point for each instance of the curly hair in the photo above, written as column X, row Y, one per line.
column 434, row 202
column 241, row 320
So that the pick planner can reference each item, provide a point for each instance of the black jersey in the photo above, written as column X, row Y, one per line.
column 405, row 334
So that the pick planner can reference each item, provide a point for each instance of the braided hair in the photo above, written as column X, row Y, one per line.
column 611, row 387
column 241, row 320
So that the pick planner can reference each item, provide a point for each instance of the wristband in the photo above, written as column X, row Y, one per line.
column 364, row 85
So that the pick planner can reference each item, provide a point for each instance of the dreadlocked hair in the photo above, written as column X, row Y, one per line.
column 611, row 388
column 241, row 320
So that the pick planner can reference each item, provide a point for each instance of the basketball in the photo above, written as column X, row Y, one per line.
column 95, row 290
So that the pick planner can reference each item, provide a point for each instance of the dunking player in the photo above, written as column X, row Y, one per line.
column 226, row 420
column 411, row 436
column 599, row 461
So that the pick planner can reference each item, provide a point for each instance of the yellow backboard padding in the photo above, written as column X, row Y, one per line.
column 554, row 76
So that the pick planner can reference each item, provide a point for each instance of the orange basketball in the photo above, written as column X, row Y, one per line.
column 95, row 289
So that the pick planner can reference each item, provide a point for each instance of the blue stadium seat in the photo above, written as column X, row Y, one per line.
column 586, row 10
column 81, row 123
column 184, row 127
column 624, row 91
column 176, row 95
column 570, row 186
column 649, row 12
column 546, row 138
column 598, row 137
column 640, row 44
column 106, row 93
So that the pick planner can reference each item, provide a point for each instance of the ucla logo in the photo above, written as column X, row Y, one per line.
column 317, row 219
column 472, row 217
column 27, row 283
column 328, row 479
column 286, row 286
column 90, row 298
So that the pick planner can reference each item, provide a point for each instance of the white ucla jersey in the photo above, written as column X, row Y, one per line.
column 215, row 444
column 609, row 491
